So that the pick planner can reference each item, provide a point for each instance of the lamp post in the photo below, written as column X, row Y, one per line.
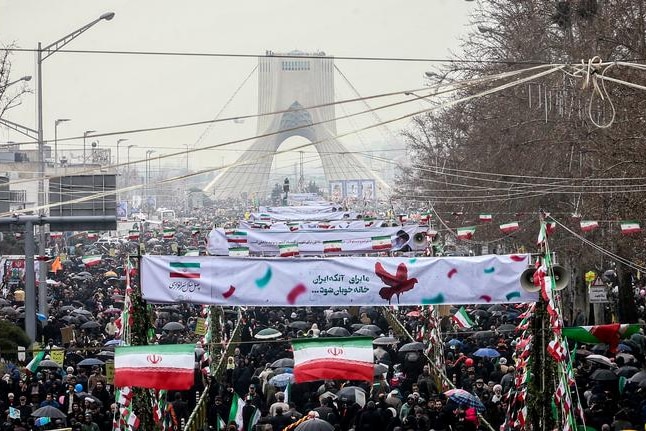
column 9, row 84
column 42, row 53
column 118, row 142
column 56, row 123
column 148, row 153
column 85, row 134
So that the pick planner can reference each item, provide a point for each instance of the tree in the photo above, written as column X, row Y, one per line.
column 538, row 145
column 12, row 336
column 10, row 95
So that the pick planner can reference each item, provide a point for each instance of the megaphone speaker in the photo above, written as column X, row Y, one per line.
column 419, row 240
column 527, row 280
column 561, row 277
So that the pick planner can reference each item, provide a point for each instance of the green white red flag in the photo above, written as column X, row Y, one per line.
column 237, row 237
column 381, row 242
column 466, row 232
column 462, row 319
column 235, row 414
column 162, row 366
column 630, row 227
column 485, row 218
column 239, row 251
column 609, row 334
column 168, row 233
column 133, row 235
column 288, row 250
column 509, row 227
column 588, row 225
column 91, row 260
column 332, row 246
column 344, row 358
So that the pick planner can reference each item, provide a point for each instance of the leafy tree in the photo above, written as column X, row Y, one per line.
column 12, row 336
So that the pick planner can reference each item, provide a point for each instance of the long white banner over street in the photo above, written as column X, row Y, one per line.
column 318, row 242
column 233, row 281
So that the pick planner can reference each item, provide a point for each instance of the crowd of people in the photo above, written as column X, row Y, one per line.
column 408, row 391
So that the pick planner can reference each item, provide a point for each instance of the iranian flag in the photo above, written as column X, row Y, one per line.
column 609, row 334
column 168, row 233
column 588, row 225
column 184, row 270
column 629, row 227
column 237, row 237
column 239, row 251
column 265, row 217
column 92, row 234
column 348, row 358
column 133, row 235
column 56, row 235
column 195, row 230
column 160, row 366
column 485, row 218
column 33, row 364
column 462, row 319
column 91, row 260
column 509, row 227
column 235, row 414
column 466, row 232
column 288, row 250
column 381, row 242
column 332, row 246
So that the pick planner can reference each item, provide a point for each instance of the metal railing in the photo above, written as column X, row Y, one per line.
column 198, row 419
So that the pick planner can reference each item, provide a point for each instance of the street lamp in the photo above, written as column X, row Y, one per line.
column 85, row 134
column 148, row 203
column 56, row 123
column 118, row 142
column 9, row 84
column 42, row 53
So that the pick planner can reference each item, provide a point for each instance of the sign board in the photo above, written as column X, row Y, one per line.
column 200, row 326
column 109, row 372
column 67, row 334
column 598, row 294
column 83, row 195
column 57, row 356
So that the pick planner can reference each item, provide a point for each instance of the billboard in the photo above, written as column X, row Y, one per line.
column 364, row 189
column 83, row 195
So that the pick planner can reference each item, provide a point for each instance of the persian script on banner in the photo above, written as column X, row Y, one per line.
column 234, row 281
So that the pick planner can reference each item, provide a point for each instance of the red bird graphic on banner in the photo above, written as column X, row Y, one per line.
column 398, row 282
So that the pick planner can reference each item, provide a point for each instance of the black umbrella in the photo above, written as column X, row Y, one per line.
column 484, row 334
column 283, row 363
column 48, row 412
column 603, row 375
column 385, row 341
column 380, row 369
column 4, row 302
column 496, row 307
column 507, row 328
column 356, row 326
column 412, row 347
column 299, row 324
column 380, row 353
column 173, row 326
column 47, row 363
column 268, row 334
column 315, row 424
column 337, row 331
column 90, row 325
column 349, row 394
column 88, row 362
column 374, row 328
column 626, row 371
column 8, row 310
column 365, row 332
column 480, row 313
column 340, row 315
column 638, row 377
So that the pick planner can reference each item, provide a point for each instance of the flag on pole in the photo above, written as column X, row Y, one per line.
column 56, row 235
column 168, row 233
column 288, row 250
column 163, row 366
column 588, row 225
column 133, row 235
column 33, row 364
column 91, row 260
column 609, row 334
column 346, row 358
column 466, row 232
column 57, row 265
column 485, row 218
column 123, row 396
column 462, row 319
column 630, row 227
column 509, row 227
column 235, row 414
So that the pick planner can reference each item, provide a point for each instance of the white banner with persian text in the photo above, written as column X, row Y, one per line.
column 233, row 281
column 266, row 242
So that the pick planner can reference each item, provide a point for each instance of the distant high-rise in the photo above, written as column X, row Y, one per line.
column 301, row 87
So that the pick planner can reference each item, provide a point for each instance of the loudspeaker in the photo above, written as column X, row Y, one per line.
column 561, row 278
column 419, row 240
column 527, row 280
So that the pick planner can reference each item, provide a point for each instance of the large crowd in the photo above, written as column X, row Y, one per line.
column 406, row 394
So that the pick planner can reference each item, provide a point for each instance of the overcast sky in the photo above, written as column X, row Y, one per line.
column 113, row 93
